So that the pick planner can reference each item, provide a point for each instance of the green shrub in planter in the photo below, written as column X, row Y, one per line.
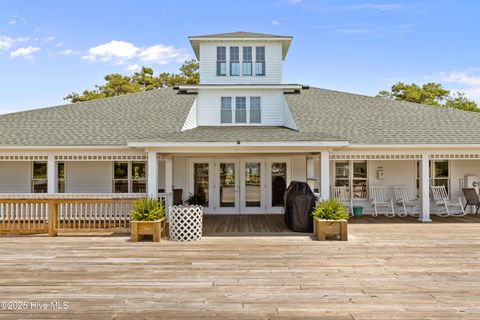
column 147, row 209
column 196, row 199
column 330, row 210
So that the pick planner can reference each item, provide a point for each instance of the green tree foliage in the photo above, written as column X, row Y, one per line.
column 432, row 94
column 143, row 80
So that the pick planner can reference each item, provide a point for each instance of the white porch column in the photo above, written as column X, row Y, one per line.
column 169, row 180
column 152, row 172
column 51, row 176
column 425, row 189
column 324, row 181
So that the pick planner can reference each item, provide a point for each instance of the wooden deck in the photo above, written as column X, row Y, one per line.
column 385, row 271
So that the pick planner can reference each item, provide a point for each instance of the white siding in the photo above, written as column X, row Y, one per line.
column 458, row 170
column 272, row 105
column 191, row 121
column 299, row 168
column 396, row 173
column 180, row 175
column 208, row 63
column 89, row 177
column 15, row 177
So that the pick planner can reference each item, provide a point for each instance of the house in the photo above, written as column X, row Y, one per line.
column 238, row 138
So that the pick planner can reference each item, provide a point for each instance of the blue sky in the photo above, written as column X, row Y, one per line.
column 51, row 48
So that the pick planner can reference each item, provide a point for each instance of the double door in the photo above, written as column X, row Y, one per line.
column 245, row 185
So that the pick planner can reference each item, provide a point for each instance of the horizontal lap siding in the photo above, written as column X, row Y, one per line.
column 272, row 105
column 15, row 177
column 208, row 63
column 458, row 170
column 89, row 177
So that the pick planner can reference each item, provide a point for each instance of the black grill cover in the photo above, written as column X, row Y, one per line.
column 299, row 202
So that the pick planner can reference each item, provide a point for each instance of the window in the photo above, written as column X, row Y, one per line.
column 61, row 177
column 226, row 110
column 39, row 177
column 255, row 111
column 221, row 61
column 120, row 177
column 439, row 174
column 139, row 177
column 240, row 110
column 260, row 61
column 234, row 61
column 353, row 175
column 129, row 177
column 247, row 61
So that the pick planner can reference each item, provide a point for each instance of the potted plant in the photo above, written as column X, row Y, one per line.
column 147, row 217
column 195, row 199
column 330, row 219
column 186, row 222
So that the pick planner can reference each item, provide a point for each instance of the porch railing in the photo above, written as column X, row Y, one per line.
column 53, row 213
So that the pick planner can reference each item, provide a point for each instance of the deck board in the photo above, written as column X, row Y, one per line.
column 389, row 269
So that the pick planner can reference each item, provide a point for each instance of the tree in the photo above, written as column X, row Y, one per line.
column 143, row 80
column 432, row 94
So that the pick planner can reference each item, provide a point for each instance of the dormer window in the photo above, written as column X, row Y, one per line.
column 226, row 110
column 221, row 61
column 247, row 61
column 240, row 110
column 259, row 61
column 255, row 111
column 234, row 61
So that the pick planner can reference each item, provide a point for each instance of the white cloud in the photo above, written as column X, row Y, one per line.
column 116, row 51
column 468, row 81
column 275, row 23
column 12, row 22
column 48, row 39
column 161, row 54
column 68, row 52
column 8, row 42
column 377, row 6
column 122, row 52
column 16, row 19
column 26, row 52
column 133, row 67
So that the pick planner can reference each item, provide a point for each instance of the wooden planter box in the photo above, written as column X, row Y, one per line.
column 145, row 228
column 328, row 228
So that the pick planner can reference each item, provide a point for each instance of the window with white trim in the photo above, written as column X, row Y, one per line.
column 247, row 61
column 129, row 177
column 234, row 61
column 39, row 177
column 439, row 172
column 240, row 109
column 226, row 110
column 221, row 61
column 354, row 176
column 61, row 177
column 255, row 110
column 259, row 61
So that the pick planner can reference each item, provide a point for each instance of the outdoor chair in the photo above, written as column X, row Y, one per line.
column 340, row 194
column 444, row 206
column 471, row 197
column 403, row 201
column 379, row 200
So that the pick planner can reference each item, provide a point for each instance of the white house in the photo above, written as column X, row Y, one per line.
column 238, row 138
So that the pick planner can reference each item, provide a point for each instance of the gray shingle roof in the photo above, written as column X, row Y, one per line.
column 158, row 116
column 370, row 120
column 240, row 34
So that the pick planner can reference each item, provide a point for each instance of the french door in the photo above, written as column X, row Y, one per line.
column 246, row 185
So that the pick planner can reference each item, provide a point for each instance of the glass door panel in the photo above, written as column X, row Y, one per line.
column 279, row 182
column 201, row 182
column 227, row 185
column 253, row 185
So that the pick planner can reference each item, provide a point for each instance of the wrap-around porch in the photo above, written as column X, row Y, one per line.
column 89, row 186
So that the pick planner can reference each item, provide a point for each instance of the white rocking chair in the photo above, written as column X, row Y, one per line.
column 340, row 194
column 403, row 201
column 444, row 206
column 378, row 199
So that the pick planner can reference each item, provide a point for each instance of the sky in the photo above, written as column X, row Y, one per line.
column 51, row 48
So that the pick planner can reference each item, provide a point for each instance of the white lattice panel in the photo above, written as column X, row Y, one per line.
column 185, row 223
